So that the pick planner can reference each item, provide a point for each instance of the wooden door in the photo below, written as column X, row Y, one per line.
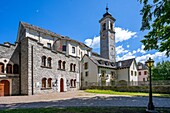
column 6, row 87
column 61, row 85
column 1, row 89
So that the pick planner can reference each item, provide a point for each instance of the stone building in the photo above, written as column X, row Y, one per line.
column 142, row 72
column 103, row 69
column 42, row 61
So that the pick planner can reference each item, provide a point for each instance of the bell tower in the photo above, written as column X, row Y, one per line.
column 107, row 36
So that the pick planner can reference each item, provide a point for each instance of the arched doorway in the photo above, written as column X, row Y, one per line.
column 61, row 85
column 6, row 87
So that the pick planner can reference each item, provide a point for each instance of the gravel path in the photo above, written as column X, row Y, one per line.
column 78, row 98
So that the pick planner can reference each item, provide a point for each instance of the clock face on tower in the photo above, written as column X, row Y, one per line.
column 103, row 36
column 112, row 36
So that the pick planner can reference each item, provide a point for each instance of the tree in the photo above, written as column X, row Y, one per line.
column 161, row 71
column 156, row 19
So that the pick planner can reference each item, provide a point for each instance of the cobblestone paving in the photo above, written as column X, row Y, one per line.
column 78, row 98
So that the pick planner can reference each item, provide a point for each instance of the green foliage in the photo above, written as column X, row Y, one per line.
column 145, row 89
column 161, row 71
column 156, row 19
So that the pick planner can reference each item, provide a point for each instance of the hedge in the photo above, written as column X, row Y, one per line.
column 155, row 89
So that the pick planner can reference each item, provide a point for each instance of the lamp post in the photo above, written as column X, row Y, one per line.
column 150, row 108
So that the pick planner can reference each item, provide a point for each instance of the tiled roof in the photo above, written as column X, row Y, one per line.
column 29, row 26
column 125, row 63
column 102, row 62
column 143, row 66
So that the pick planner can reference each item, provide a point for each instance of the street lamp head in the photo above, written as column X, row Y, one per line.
column 149, row 62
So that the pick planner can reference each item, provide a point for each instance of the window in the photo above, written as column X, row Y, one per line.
column 86, row 73
column 43, row 61
column 75, row 83
column 103, row 73
column 144, row 79
column 64, row 48
column 9, row 69
column 71, row 65
column 73, row 49
column 111, row 26
column 15, row 69
column 71, row 82
column 104, row 26
column 44, row 83
column 59, row 64
column 145, row 72
column 135, row 73
column 49, row 82
column 49, row 61
column 86, row 65
column 74, row 67
column 49, row 45
column 131, row 73
column 139, row 73
column 64, row 63
column 1, row 68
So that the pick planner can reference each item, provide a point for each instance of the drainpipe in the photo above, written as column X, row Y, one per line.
column 32, row 79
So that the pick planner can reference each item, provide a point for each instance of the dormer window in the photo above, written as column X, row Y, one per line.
column 64, row 48
column 49, row 45
column 120, row 64
column 73, row 49
column 106, row 63
column 112, row 64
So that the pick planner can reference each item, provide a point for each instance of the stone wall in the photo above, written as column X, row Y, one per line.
column 40, row 72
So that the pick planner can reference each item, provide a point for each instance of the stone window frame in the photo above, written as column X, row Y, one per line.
column 64, row 65
column 145, row 72
column 131, row 73
column 86, row 73
column 43, row 61
column 59, row 64
column 43, row 81
column 86, row 65
column 71, row 67
column 9, row 69
column 49, row 62
column 49, row 82
column 139, row 73
column 73, row 49
column 74, row 67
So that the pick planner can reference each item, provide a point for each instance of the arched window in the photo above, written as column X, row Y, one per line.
column 64, row 63
column 71, row 67
column 74, row 82
column 49, row 61
column 49, row 82
column 44, row 83
column 1, row 67
column 9, row 69
column 74, row 67
column 15, row 69
column 71, row 82
column 59, row 64
column 43, row 60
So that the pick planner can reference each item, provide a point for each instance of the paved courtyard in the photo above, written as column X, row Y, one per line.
column 77, row 98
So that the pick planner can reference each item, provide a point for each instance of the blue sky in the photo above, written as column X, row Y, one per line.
column 79, row 19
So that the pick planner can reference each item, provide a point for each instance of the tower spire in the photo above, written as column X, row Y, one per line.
column 107, row 8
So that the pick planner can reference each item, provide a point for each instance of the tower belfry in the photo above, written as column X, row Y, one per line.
column 107, row 36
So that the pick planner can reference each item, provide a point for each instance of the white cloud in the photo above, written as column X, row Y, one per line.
column 141, row 50
column 122, row 34
column 156, row 55
column 134, row 52
column 128, row 46
column 120, row 50
column 94, row 43
column 129, row 55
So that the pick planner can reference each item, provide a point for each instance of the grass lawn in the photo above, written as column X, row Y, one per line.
column 85, row 110
column 124, row 93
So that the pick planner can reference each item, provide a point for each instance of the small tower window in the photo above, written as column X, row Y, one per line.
column 104, row 26
column 111, row 26
column 49, row 45
column 64, row 48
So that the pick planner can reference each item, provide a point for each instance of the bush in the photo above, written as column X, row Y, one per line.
column 155, row 89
